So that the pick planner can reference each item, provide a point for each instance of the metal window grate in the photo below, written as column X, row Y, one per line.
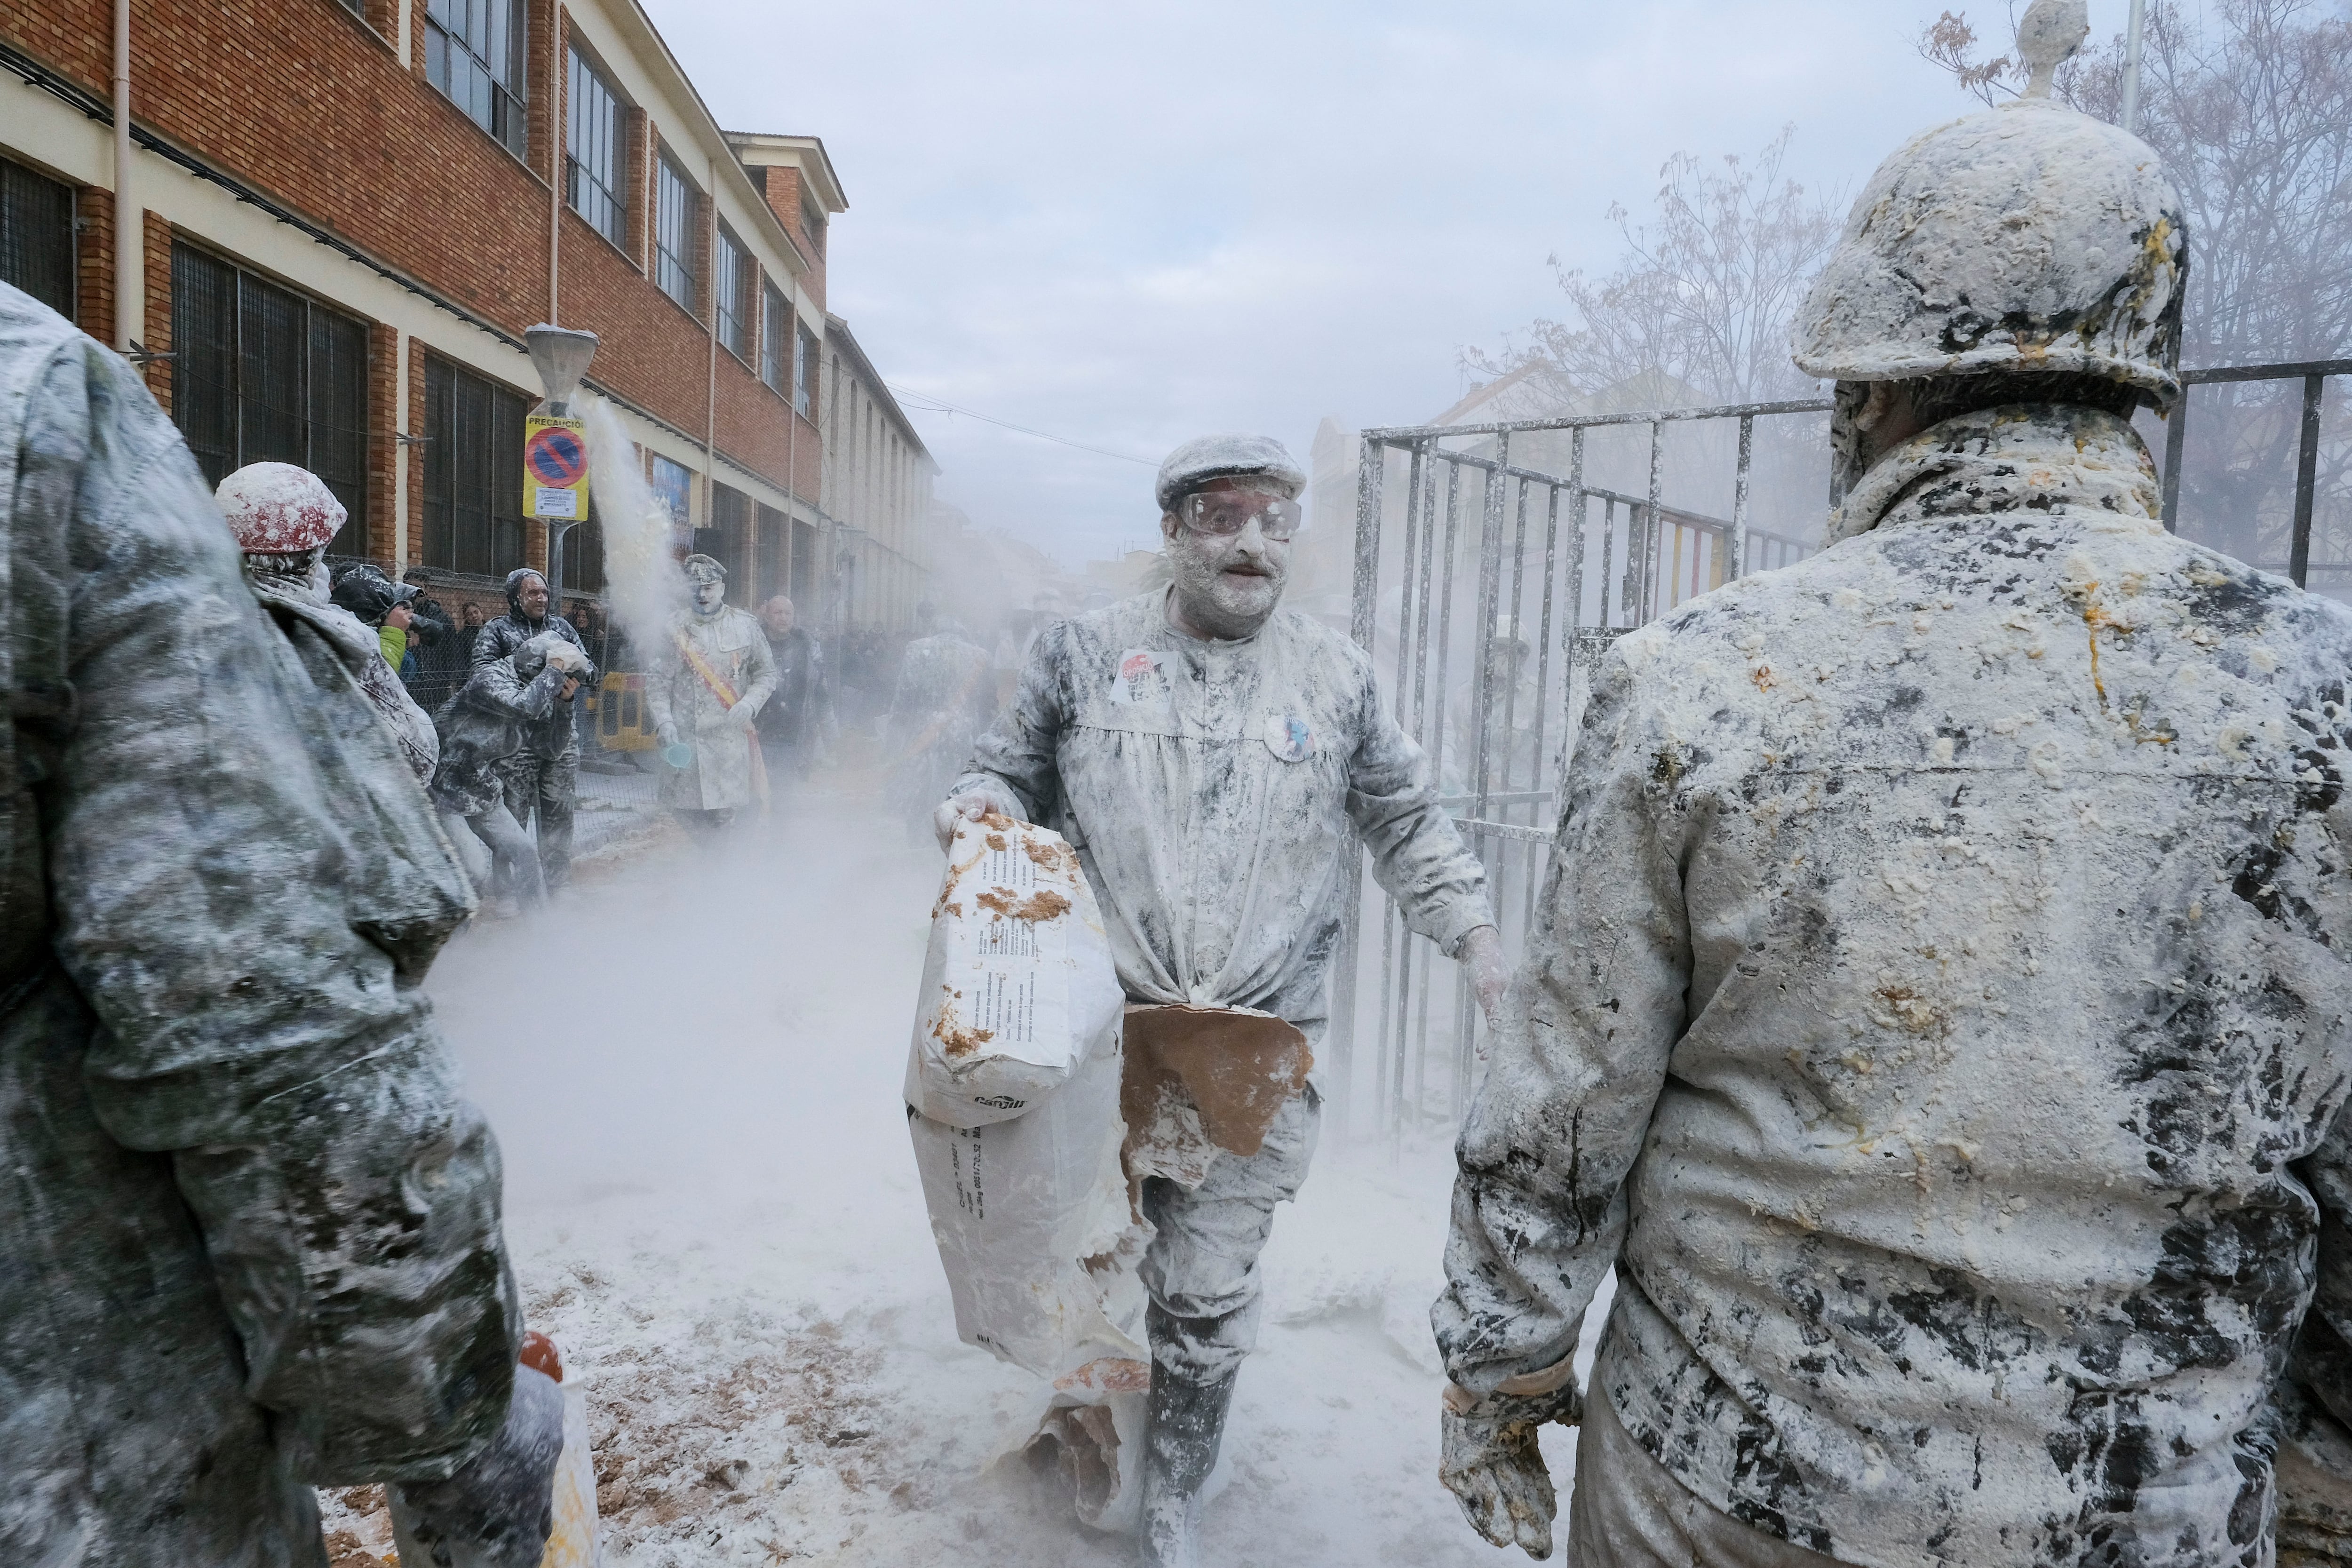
column 730, row 278
column 273, row 402
column 776, row 341
column 37, row 237
column 339, row 434
column 473, row 472
column 204, row 359
column 724, row 539
column 476, row 52
column 774, row 537
column 674, row 227
column 802, row 570
column 593, row 159
column 261, row 373
column 583, row 555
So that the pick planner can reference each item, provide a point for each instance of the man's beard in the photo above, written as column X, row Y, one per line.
column 1222, row 605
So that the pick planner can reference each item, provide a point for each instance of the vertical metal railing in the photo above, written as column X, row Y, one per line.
column 1576, row 564
column 2314, row 374
column 1599, row 562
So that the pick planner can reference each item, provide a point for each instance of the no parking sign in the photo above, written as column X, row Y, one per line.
column 554, row 467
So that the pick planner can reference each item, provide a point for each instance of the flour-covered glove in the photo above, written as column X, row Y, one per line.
column 498, row 1510
column 972, row 804
column 1489, row 972
column 1489, row 1461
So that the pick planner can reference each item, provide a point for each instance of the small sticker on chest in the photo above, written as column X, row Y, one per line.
column 1139, row 681
column 1288, row 736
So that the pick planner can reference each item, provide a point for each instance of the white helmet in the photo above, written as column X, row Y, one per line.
column 2030, row 238
column 277, row 509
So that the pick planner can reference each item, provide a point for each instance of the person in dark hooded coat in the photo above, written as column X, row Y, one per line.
column 481, row 728
column 249, row 1232
column 542, row 777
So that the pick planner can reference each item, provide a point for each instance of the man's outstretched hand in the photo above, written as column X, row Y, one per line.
column 1489, row 972
column 1489, row 1461
column 986, row 800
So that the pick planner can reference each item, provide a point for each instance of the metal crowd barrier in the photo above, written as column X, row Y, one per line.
column 1584, row 563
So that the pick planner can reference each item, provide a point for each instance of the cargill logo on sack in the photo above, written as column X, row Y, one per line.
column 555, row 467
column 1287, row 737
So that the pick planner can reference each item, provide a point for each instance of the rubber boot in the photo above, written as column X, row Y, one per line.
column 1180, row 1450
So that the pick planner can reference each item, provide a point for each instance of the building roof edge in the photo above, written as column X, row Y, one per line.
column 838, row 330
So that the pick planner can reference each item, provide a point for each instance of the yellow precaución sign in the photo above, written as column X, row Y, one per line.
column 554, row 468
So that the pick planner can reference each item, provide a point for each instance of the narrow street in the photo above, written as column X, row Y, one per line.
column 694, row 1066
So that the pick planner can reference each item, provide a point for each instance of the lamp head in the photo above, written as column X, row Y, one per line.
column 562, row 356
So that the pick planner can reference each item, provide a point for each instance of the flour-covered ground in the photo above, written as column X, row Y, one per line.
column 694, row 1066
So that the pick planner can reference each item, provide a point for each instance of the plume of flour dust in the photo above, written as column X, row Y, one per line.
column 643, row 583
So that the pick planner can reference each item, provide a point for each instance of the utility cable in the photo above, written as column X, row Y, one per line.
column 930, row 405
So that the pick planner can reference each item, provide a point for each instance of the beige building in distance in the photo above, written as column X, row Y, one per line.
column 883, row 558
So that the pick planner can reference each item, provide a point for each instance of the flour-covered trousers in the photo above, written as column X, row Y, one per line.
column 1201, row 1269
column 1629, row 1512
column 546, row 788
column 2313, row 1480
column 511, row 851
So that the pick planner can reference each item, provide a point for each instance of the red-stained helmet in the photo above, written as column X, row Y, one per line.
column 277, row 509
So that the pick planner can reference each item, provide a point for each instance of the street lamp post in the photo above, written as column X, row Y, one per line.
column 2131, row 67
column 562, row 356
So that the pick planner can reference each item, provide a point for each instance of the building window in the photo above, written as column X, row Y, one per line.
column 260, row 373
column 803, row 569
column 475, row 51
column 37, row 237
column 675, row 211
column 592, row 159
column 773, row 533
column 583, row 553
column 473, row 472
column 731, row 275
column 803, row 372
column 812, row 222
column 776, row 341
column 723, row 540
column 674, row 483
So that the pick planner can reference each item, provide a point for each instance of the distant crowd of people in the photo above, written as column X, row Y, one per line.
column 513, row 734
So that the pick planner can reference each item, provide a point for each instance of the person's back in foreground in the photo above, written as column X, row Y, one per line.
column 1938, row 1018
column 250, row 1234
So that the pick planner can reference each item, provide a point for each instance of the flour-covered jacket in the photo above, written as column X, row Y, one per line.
column 555, row 735
column 488, row 722
column 732, row 647
column 342, row 652
column 249, row 1229
column 1937, row 1015
column 1215, row 791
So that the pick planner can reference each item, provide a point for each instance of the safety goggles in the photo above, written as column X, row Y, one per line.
column 1223, row 514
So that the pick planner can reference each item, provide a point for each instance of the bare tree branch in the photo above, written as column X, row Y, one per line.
column 1702, row 295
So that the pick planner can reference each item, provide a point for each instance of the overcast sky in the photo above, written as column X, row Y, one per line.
column 1129, row 224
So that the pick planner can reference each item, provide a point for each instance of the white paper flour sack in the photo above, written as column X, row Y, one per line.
column 1019, row 983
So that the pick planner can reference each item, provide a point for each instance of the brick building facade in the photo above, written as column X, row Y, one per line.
column 351, row 211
